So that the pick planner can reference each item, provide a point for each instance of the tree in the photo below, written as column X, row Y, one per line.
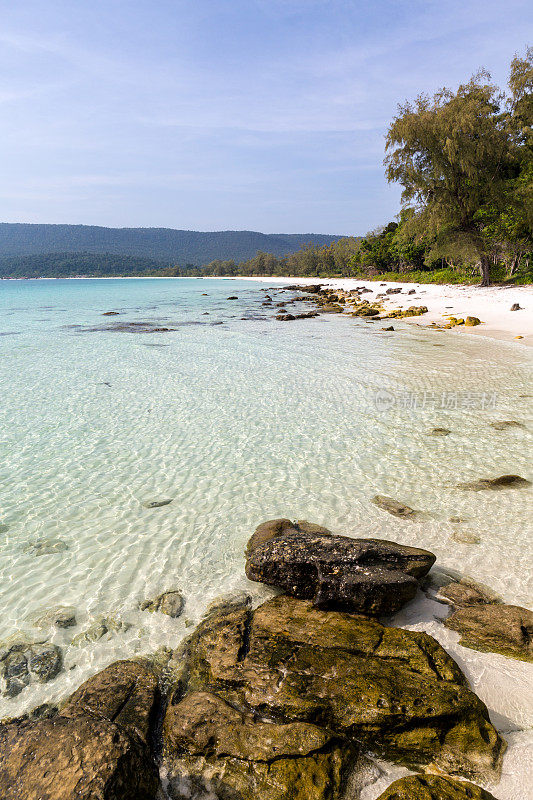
column 454, row 155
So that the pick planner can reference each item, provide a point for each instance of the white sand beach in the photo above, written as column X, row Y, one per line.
column 490, row 304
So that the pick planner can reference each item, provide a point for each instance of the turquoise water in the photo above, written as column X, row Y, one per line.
column 236, row 422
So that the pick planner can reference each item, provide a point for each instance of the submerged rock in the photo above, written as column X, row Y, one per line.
column 370, row 575
column 99, row 628
column 170, row 602
column 434, row 787
column 158, row 503
column 507, row 423
column 398, row 509
column 393, row 691
column 439, row 432
column 495, row 484
column 46, row 547
column 285, row 317
column 495, row 627
column 24, row 662
column 471, row 321
column 60, row 617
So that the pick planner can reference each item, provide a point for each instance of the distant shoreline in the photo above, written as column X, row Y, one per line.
column 490, row 304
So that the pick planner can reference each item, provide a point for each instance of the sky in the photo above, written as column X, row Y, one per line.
column 264, row 115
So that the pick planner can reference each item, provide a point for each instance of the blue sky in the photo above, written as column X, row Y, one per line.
column 225, row 114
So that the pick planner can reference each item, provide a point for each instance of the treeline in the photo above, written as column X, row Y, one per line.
column 465, row 161
column 69, row 265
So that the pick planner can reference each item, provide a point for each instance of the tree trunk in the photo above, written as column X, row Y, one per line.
column 485, row 271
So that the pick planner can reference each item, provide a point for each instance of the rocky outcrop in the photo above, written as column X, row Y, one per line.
column 495, row 627
column 170, row 603
column 370, row 575
column 59, row 617
column 495, row 484
column 433, row 787
column 124, row 693
column 95, row 748
column 278, row 527
column 73, row 759
column 223, row 752
column 393, row 691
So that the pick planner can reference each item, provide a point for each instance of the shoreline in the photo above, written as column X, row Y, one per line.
column 490, row 304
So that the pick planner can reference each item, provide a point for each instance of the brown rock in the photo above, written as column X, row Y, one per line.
column 124, row 693
column 74, row 759
column 433, row 787
column 495, row 627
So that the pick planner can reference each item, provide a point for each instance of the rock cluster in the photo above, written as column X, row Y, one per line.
column 286, row 701
column 23, row 662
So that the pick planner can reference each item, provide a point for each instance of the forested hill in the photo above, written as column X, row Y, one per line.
column 159, row 244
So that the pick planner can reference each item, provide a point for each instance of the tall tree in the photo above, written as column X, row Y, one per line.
column 453, row 155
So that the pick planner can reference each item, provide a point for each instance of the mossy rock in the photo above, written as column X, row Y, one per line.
column 433, row 787
column 472, row 321
column 393, row 690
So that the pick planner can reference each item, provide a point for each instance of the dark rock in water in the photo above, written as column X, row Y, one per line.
column 393, row 291
column 158, row 503
column 503, row 482
column 439, row 432
column 61, row 617
column 226, row 753
column 396, row 692
column 45, row 661
column 124, row 693
column 22, row 662
column 170, row 602
column 398, row 509
column 507, row 423
column 110, row 314
column 411, row 291
column 433, row 787
column 3, row 527
column 390, row 328
column 73, row 759
column 516, row 307
column 495, row 627
column 285, row 317
column 369, row 575
column 233, row 297
column 46, row 547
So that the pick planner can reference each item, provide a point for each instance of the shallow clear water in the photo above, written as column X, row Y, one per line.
column 237, row 423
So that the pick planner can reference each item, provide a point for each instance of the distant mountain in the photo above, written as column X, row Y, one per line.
column 163, row 245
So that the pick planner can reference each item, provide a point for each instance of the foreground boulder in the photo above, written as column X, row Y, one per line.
column 395, row 692
column 495, row 627
column 73, row 759
column 433, row 787
column 215, row 750
column 124, row 693
column 369, row 575
column 96, row 748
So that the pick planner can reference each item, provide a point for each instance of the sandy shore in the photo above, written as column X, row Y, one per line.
column 490, row 304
